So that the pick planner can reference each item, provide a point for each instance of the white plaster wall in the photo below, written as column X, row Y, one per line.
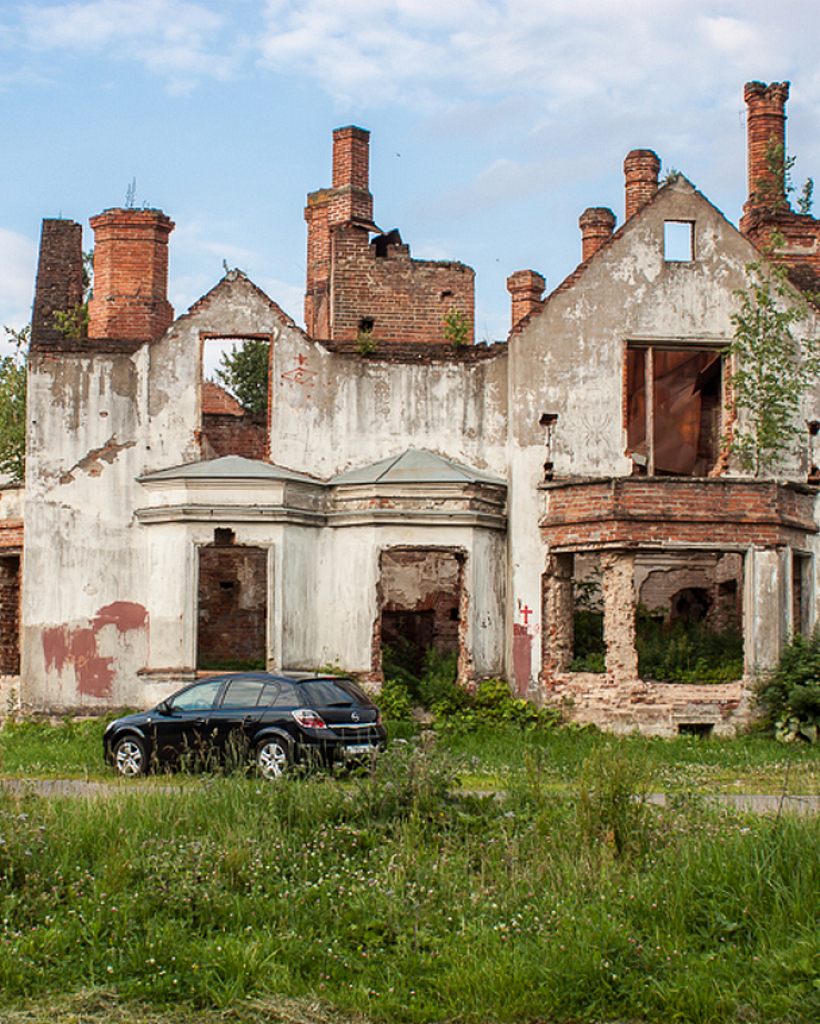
column 331, row 412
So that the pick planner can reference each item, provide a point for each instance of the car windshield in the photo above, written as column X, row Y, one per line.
column 329, row 693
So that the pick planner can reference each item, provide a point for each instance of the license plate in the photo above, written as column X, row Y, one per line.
column 357, row 749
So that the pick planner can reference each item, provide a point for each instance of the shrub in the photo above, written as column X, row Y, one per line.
column 613, row 787
column 790, row 698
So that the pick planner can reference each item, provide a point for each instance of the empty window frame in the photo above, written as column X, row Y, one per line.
column 678, row 241
column 673, row 409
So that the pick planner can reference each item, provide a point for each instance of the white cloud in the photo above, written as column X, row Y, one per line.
column 180, row 40
column 18, row 267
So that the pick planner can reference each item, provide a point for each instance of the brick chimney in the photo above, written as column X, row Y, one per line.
column 596, row 224
column 130, row 275
column 59, row 286
column 641, row 169
column 766, row 138
column 526, row 288
column 345, row 209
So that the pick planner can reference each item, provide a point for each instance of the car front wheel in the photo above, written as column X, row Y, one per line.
column 129, row 757
column 273, row 758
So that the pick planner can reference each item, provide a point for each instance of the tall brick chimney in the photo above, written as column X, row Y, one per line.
column 641, row 168
column 345, row 209
column 59, row 286
column 526, row 288
column 596, row 224
column 130, row 275
column 766, row 137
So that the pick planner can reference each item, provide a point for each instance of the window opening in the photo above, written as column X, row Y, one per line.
column 234, row 395
column 700, row 729
column 674, row 410
column 589, row 649
column 678, row 241
column 801, row 593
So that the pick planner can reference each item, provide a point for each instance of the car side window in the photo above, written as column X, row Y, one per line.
column 283, row 698
column 197, row 698
column 243, row 693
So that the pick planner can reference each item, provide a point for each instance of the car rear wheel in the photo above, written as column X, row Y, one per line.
column 273, row 758
column 129, row 757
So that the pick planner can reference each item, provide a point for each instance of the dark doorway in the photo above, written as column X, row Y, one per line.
column 420, row 599
column 9, row 615
column 233, row 606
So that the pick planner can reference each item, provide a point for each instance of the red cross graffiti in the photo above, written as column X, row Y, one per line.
column 526, row 611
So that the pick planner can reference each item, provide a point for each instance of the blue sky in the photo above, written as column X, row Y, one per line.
column 494, row 123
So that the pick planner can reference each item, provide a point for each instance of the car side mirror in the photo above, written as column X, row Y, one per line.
column 164, row 708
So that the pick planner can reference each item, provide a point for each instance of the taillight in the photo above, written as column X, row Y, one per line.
column 308, row 719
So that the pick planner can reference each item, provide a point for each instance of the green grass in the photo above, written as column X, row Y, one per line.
column 400, row 897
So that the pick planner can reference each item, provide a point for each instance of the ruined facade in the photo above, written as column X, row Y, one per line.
column 459, row 496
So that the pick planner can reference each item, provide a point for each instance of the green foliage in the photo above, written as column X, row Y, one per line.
column 776, row 187
column 244, row 372
column 221, row 899
column 790, row 697
column 73, row 323
column 806, row 200
column 589, row 649
column 456, row 328
column 366, row 342
column 13, row 405
column 686, row 652
column 613, row 787
column 771, row 370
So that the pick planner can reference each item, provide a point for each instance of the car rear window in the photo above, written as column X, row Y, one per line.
column 329, row 693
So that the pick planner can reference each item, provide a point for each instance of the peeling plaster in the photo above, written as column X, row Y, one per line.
column 91, row 463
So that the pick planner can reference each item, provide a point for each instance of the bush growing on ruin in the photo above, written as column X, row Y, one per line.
column 772, row 370
column 790, row 698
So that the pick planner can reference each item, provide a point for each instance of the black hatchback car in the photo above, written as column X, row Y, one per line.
column 274, row 720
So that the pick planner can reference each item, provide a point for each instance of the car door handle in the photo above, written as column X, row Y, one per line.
column 250, row 719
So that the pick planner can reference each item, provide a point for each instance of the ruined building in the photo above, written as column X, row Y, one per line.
column 459, row 496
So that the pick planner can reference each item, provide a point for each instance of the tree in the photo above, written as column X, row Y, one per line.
column 244, row 372
column 772, row 371
column 13, row 405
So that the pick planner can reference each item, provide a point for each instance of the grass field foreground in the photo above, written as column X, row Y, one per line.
column 397, row 896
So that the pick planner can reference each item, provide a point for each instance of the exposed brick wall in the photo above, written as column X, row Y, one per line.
column 130, row 275
column 228, row 434
column 232, row 605
column 59, row 280
column 11, row 535
column 405, row 299
column 9, row 615
column 351, row 280
column 631, row 512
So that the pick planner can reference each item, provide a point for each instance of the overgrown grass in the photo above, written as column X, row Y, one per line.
column 365, row 897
